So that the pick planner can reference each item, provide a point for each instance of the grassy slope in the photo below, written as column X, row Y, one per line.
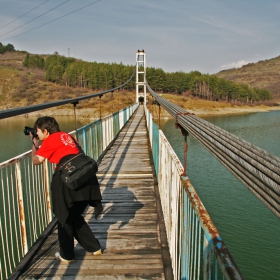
column 202, row 107
column 23, row 87
column 263, row 74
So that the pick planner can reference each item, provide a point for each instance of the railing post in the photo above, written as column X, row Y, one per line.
column 21, row 207
column 47, row 186
column 74, row 105
column 100, row 115
column 207, row 260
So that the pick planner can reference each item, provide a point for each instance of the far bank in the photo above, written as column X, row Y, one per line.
column 198, row 107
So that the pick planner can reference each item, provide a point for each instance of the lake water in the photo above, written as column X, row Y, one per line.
column 250, row 230
column 13, row 142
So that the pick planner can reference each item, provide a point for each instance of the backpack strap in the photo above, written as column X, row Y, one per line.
column 77, row 145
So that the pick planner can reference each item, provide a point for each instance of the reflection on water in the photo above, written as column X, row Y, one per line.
column 13, row 141
column 249, row 229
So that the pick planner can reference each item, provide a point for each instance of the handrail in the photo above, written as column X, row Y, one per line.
column 27, row 109
column 257, row 169
column 195, row 245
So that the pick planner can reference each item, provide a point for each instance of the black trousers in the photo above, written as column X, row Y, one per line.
column 76, row 227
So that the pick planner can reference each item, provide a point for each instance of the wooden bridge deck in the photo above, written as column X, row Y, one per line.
column 130, row 229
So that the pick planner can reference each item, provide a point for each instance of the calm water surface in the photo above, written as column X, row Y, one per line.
column 249, row 229
column 13, row 142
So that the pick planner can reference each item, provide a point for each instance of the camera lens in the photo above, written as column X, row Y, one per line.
column 31, row 130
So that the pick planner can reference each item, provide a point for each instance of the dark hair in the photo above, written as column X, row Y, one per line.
column 48, row 123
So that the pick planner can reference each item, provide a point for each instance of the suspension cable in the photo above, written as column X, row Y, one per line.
column 257, row 169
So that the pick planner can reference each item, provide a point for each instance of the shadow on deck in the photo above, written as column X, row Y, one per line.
column 130, row 229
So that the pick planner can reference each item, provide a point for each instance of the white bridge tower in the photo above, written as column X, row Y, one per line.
column 141, row 76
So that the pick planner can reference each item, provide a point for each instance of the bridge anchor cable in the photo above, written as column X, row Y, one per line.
column 257, row 169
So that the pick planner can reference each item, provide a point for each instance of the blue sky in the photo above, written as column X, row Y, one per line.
column 177, row 35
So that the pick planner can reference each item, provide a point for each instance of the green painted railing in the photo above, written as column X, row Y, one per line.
column 25, row 203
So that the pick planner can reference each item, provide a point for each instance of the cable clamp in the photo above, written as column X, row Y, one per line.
column 181, row 114
column 155, row 103
column 177, row 125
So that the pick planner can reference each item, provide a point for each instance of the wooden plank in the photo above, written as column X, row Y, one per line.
column 128, row 228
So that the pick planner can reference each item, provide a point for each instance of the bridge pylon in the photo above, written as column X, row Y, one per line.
column 141, row 76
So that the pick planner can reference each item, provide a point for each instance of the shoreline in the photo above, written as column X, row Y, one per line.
column 93, row 113
column 234, row 110
column 206, row 112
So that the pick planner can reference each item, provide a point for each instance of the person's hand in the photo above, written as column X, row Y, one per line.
column 35, row 140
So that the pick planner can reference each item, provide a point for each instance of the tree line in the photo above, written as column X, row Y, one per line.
column 100, row 76
column 6, row 48
column 77, row 73
column 204, row 86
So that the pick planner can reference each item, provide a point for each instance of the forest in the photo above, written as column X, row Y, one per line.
column 100, row 76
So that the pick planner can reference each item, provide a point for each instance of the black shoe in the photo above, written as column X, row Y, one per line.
column 98, row 210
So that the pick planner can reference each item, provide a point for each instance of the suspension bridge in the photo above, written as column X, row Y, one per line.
column 154, row 225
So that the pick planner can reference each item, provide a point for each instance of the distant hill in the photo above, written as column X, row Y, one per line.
column 264, row 74
column 21, row 86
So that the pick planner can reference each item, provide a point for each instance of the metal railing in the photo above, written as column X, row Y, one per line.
column 196, row 248
column 25, row 203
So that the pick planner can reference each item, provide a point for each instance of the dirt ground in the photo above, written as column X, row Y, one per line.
column 93, row 114
column 233, row 110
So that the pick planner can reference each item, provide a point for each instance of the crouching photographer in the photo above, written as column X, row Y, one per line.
column 68, row 204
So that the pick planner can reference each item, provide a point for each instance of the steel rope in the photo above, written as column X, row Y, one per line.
column 257, row 169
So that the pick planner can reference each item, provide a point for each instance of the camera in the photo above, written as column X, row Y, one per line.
column 28, row 129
